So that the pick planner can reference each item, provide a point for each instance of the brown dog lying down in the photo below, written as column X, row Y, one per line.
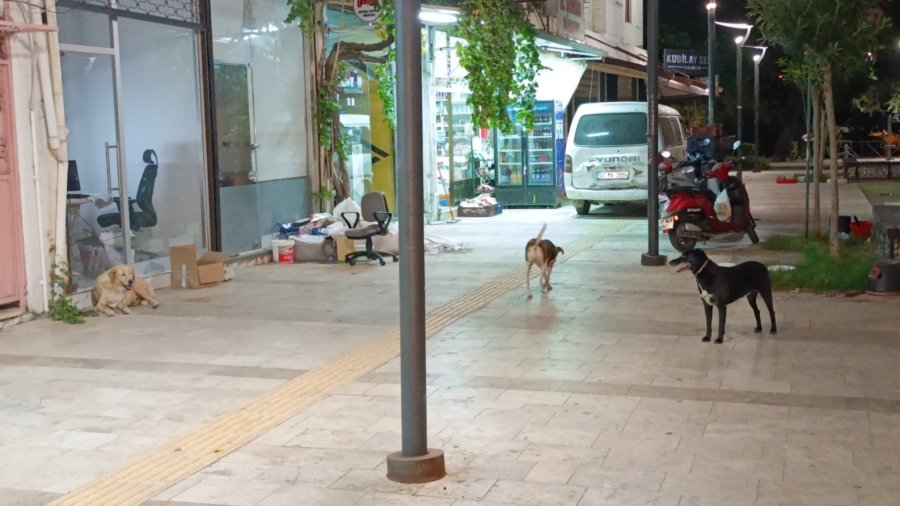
column 118, row 288
column 543, row 253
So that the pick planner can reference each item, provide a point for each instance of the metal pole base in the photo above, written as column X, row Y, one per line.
column 652, row 260
column 421, row 469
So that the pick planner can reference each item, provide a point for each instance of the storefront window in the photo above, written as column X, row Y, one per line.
column 356, row 123
column 137, row 165
column 461, row 149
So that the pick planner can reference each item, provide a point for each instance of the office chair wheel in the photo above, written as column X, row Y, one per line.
column 351, row 262
column 396, row 259
column 381, row 260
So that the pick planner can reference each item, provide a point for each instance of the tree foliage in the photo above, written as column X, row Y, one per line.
column 823, row 40
column 502, row 61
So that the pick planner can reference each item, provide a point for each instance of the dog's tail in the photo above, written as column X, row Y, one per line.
column 541, row 235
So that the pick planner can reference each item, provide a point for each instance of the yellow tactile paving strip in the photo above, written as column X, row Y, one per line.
column 174, row 462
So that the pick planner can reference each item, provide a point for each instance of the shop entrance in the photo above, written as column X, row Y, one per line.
column 132, row 95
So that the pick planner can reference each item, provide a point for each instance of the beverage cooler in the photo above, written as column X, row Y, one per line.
column 529, row 165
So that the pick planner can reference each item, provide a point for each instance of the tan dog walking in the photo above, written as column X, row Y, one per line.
column 541, row 252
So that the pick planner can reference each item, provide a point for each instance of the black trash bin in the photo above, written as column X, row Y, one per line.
column 884, row 279
column 844, row 224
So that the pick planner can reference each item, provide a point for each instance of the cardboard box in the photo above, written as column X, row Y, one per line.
column 344, row 247
column 480, row 212
column 190, row 272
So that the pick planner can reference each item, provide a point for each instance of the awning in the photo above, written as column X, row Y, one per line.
column 560, row 77
column 568, row 48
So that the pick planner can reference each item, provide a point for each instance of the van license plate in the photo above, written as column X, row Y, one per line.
column 603, row 176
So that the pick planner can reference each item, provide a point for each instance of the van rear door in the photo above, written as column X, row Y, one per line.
column 612, row 151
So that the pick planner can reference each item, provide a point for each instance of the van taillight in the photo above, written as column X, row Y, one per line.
column 568, row 164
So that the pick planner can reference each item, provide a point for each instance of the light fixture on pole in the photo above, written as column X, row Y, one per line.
column 756, row 59
column 739, row 42
column 711, row 57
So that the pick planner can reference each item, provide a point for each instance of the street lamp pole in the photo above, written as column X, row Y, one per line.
column 652, row 256
column 739, row 43
column 415, row 463
column 711, row 44
column 756, row 59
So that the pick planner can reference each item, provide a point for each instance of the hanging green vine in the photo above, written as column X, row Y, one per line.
column 303, row 13
column 502, row 61
column 384, row 72
column 328, row 108
column 331, row 68
column 387, row 81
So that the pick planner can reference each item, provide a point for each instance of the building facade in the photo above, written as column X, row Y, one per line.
column 139, row 126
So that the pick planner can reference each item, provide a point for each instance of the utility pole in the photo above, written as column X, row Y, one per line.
column 711, row 56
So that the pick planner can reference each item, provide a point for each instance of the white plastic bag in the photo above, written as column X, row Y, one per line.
column 348, row 206
column 389, row 243
column 723, row 206
column 337, row 228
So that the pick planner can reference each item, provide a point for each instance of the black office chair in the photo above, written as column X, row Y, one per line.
column 374, row 209
column 145, row 216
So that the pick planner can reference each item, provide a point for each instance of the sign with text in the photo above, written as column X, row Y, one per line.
column 570, row 19
column 368, row 11
column 692, row 63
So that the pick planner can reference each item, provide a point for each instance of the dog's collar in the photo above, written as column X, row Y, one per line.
column 702, row 267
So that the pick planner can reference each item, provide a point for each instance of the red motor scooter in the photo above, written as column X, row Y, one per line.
column 687, row 207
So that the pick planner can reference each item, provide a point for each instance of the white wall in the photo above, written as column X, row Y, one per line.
column 26, row 99
column 634, row 32
column 608, row 17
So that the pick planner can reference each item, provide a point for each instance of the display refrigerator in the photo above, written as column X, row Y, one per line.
column 529, row 165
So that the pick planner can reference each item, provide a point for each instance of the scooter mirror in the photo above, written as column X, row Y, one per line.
column 737, row 145
column 666, row 154
column 707, row 142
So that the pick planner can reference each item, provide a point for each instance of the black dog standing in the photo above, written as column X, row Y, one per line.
column 720, row 286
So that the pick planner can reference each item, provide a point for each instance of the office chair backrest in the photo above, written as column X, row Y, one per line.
column 74, row 181
column 373, row 202
column 144, row 196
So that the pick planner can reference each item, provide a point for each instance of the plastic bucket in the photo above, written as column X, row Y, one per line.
column 282, row 251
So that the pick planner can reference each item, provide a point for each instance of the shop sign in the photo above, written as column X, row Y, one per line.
column 691, row 63
column 570, row 19
column 368, row 11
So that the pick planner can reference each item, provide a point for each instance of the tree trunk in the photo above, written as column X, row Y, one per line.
column 318, row 39
column 789, row 119
column 818, row 140
column 833, row 154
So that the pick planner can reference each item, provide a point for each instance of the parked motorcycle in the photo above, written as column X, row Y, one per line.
column 688, row 203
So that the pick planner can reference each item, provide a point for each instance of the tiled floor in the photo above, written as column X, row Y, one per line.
column 599, row 394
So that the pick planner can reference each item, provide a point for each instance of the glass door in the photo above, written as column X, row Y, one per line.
column 136, row 144
column 262, row 126
column 97, row 170
column 541, row 145
column 511, row 156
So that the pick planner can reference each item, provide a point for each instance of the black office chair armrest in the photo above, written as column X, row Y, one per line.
column 384, row 220
column 355, row 222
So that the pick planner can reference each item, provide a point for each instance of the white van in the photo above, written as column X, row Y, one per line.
column 606, row 152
